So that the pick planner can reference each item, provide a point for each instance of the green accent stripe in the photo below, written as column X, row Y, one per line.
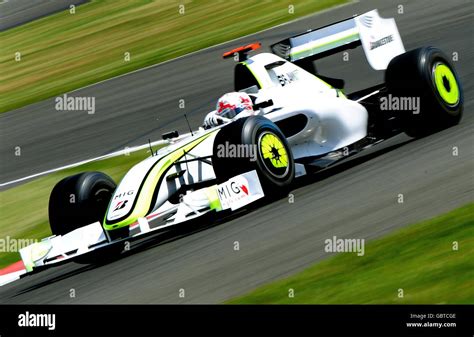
column 315, row 48
column 255, row 76
column 214, row 202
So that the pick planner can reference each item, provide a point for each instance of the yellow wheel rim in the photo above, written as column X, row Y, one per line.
column 274, row 154
column 446, row 84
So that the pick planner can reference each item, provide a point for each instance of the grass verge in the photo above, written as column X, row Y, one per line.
column 64, row 51
column 24, row 209
column 418, row 259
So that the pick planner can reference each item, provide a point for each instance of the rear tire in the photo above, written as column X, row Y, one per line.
column 272, row 157
column 428, row 74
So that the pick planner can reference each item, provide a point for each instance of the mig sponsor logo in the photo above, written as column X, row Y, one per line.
column 232, row 189
column 234, row 192
column 123, row 194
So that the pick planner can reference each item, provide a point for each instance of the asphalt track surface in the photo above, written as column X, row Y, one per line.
column 14, row 13
column 354, row 200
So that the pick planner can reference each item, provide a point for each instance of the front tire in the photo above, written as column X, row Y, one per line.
column 271, row 155
column 427, row 74
column 81, row 200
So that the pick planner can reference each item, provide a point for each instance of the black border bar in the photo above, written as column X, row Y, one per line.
column 240, row 320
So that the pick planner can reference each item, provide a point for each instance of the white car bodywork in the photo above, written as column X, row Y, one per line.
column 333, row 121
column 142, row 200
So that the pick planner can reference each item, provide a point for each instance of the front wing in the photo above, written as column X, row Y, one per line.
column 233, row 194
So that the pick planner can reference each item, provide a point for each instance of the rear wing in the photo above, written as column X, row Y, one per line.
column 379, row 38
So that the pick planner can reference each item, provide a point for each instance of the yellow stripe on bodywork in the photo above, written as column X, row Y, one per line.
column 146, row 193
column 260, row 84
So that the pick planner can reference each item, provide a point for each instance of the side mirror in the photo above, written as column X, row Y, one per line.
column 264, row 104
column 170, row 135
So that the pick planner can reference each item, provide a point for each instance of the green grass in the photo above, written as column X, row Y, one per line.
column 418, row 259
column 64, row 51
column 24, row 209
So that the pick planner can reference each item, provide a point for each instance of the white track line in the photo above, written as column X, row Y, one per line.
column 105, row 156
column 11, row 277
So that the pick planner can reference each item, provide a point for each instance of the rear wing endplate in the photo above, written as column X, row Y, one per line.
column 379, row 38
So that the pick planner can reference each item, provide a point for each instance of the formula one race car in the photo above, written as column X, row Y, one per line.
column 305, row 122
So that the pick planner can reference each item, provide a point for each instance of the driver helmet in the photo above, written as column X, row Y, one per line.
column 233, row 103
